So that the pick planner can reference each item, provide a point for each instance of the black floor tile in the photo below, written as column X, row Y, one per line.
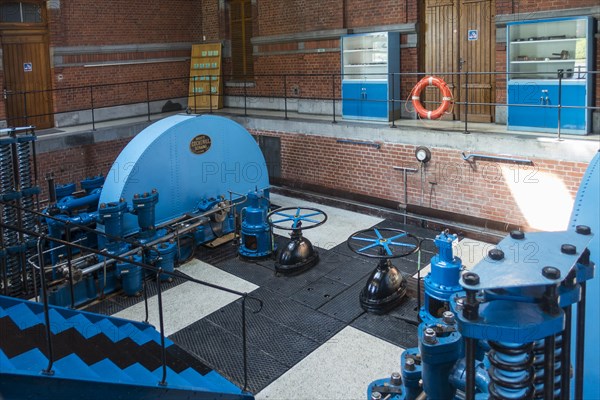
column 348, row 270
column 389, row 328
column 319, row 292
column 249, row 271
column 346, row 305
column 222, row 350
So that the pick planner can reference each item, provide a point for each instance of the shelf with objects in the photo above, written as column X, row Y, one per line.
column 206, row 81
column 370, row 80
column 547, row 64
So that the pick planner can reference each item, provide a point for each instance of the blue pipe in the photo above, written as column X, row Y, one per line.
column 70, row 203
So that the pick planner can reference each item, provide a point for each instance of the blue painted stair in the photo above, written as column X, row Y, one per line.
column 96, row 357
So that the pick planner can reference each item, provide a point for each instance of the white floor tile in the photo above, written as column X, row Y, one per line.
column 341, row 368
column 339, row 226
column 189, row 302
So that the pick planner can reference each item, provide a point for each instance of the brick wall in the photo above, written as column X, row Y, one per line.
column 282, row 17
column 76, row 163
column 508, row 193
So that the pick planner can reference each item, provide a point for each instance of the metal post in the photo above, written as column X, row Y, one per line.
column 210, row 95
column 25, row 108
column 560, row 77
column 565, row 363
column 285, row 95
column 144, row 282
column 392, row 105
column 333, row 96
column 549, row 348
column 69, row 263
column 194, row 88
column 405, row 192
column 40, row 250
column 163, row 381
column 244, row 347
column 148, row 98
column 470, row 359
column 92, row 105
column 580, row 344
column 245, row 96
column 466, row 131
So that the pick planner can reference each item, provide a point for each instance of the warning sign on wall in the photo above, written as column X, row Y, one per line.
column 27, row 67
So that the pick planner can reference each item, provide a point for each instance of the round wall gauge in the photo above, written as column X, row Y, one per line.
column 423, row 154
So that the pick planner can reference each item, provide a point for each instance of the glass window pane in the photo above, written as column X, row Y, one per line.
column 32, row 12
column 10, row 12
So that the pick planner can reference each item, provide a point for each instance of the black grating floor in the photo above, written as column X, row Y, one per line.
column 299, row 313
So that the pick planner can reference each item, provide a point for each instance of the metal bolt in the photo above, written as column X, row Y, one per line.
column 409, row 364
column 154, row 191
column 470, row 278
column 121, row 200
column 551, row 273
column 496, row 254
column 102, row 205
column 136, row 196
column 583, row 230
column 568, row 249
column 375, row 396
column 396, row 379
column 448, row 317
column 517, row 234
column 429, row 336
column 146, row 194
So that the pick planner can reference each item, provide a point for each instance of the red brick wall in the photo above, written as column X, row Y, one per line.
column 282, row 17
column 483, row 193
column 368, row 13
column 76, row 163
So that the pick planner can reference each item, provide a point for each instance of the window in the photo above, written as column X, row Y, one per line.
column 18, row 12
column 240, row 18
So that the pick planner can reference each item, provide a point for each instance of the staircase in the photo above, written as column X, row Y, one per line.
column 96, row 357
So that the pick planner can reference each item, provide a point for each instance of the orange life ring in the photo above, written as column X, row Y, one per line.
column 446, row 97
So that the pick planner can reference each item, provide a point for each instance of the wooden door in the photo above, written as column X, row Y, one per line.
column 450, row 54
column 27, row 84
column 477, row 22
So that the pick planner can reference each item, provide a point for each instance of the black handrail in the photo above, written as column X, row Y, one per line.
column 158, row 271
column 270, row 91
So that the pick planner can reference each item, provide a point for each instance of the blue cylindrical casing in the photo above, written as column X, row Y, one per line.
column 438, row 359
column 165, row 258
column 443, row 280
column 65, row 190
column 144, row 206
column 411, row 379
column 257, row 238
column 111, row 216
column 70, row 203
column 89, row 184
column 131, row 276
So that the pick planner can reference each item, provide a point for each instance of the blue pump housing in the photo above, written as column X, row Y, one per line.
column 257, row 234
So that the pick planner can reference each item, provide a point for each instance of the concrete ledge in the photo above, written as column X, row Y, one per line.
column 299, row 37
column 124, row 48
column 61, row 141
column 118, row 112
column 502, row 19
column 418, row 134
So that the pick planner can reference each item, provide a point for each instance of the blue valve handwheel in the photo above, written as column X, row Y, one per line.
column 296, row 218
column 383, row 243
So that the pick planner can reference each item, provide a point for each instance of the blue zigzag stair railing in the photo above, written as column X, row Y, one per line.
column 56, row 353
column 385, row 287
column 299, row 254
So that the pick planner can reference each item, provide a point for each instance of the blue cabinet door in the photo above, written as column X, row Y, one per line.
column 352, row 95
column 520, row 95
column 538, row 95
column 572, row 95
column 375, row 101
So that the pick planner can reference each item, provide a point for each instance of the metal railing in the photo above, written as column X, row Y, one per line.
column 280, row 91
column 43, row 238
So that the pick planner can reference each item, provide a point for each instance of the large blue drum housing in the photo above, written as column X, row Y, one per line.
column 187, row 159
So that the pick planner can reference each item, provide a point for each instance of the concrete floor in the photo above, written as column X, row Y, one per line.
column 344, row 365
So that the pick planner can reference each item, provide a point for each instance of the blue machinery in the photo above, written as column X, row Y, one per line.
column 515, row 326
column 181, row 182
